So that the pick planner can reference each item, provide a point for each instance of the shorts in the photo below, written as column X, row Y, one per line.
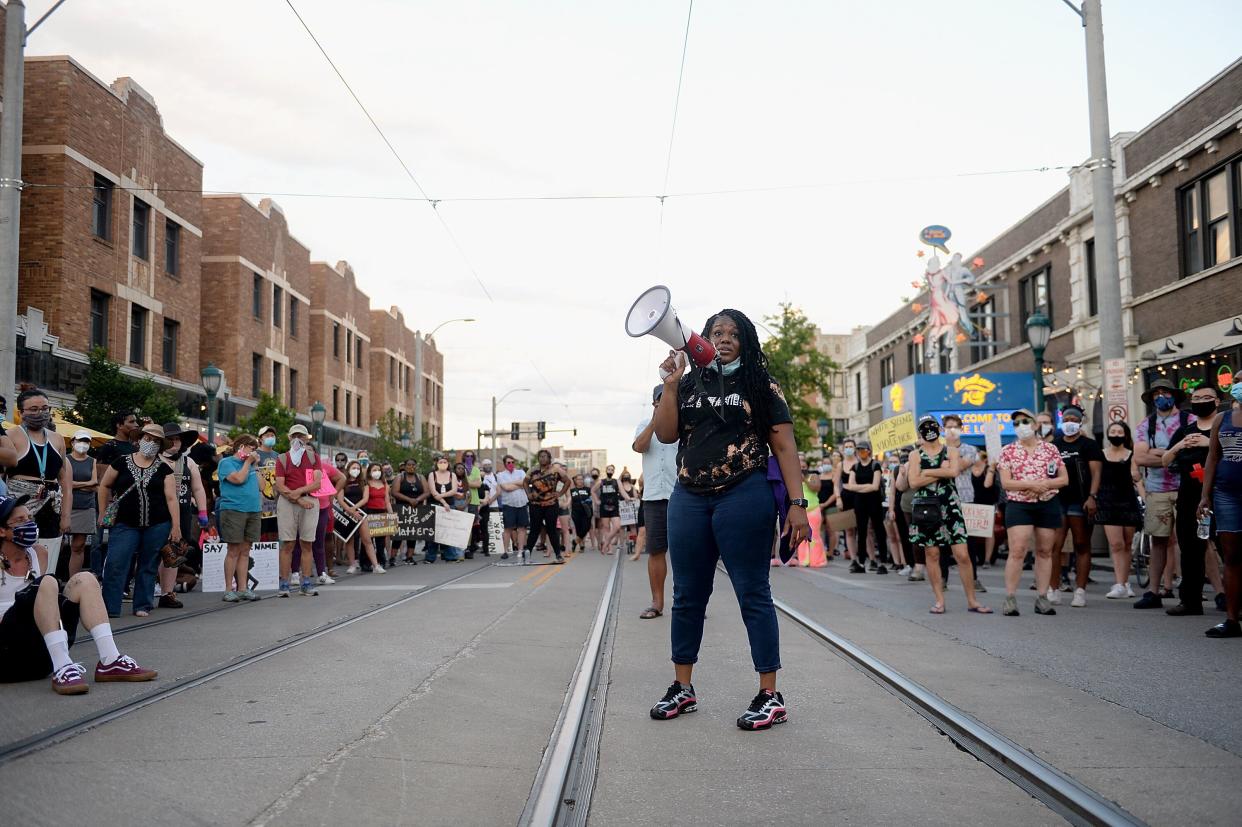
column 641, row 516
column 293, row 522
column 1160, row 508
column 23, row 654
column 516, row 516
column 1040, row 515
column 656, row 525
column 608, row 511
column 83, row 521
column 239, row 526
column 1070, row 509
column 1227, row 508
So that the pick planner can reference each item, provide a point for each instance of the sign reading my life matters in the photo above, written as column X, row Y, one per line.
column 416, row 522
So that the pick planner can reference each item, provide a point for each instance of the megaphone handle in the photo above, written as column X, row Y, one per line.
column 680, row 357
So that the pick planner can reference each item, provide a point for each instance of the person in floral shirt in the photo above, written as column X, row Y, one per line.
column 1031, row 473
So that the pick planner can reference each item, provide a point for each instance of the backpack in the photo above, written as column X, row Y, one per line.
column 1183, row 419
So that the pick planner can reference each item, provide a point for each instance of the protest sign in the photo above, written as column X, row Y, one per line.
column 382, row 525
column 453, row 527
column 629, row 512
column 495, row 531
column 343, row 523
column 979, row 519
column 264, row 573
column 892, row 433
column 416, row 522
column 992, row 439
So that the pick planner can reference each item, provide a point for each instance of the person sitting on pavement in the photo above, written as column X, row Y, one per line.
column 728, row 422
column 1117, row 496
column 932, row 471
column 1031, row 473
column 239, row 517
column 39, row 618
column 1222, row 502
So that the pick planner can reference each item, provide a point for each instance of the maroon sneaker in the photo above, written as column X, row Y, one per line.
column 123, row 669
column 70, row 680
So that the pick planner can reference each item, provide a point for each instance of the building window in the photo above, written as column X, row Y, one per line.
column 293, row 389
column 1093, row 300
column 256, row 375
column 256, row 296
column 392, row 371
column 336, row 404
column 349, row 404
column 99, row 319
column 916, row 357
column 142, row 228
column 169, row 346
column 277, row 375
column 358, row 352
column 1035, row 293
column 137, row 335
column 101, row 208
column 358, row 401
column 336, row 341
column 1210, row 218
column 349, row 347
column 278, row 306
column 983, row 341
column 888, row 370
column 293, row 317
column 858, row 391
column 172, row 248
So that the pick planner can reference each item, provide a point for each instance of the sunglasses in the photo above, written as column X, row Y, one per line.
column 1022, row 420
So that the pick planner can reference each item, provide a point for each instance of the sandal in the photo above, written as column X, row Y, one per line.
column 650, row 612
column 980, row 610
column 937, row 610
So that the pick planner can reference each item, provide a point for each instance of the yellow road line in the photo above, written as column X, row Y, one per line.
column 547, row 576
column 529, row 575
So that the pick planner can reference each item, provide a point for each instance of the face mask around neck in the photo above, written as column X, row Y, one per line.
column 731, row 368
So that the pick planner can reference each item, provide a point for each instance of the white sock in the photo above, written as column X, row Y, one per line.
column 58, row 647
column 103, row 642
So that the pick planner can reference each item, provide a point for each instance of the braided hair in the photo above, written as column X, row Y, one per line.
column 756, row 382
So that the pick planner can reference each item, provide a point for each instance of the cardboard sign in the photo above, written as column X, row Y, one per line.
column 979, row 519
column 629, row 512
column 343, row 524
column 892, row 434
column 841, row 520
column 382, row 525
column 992, row 439
column 416, row 522
column 453, row 527
column 264, row 573
column 495, row 531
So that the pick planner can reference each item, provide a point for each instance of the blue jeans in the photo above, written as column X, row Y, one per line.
column 736, row 527
column 123, row 543
column 432, row 549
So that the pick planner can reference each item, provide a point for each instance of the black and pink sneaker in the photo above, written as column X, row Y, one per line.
column 70, row 679
column 766, row 709
column 123, row 668
column 676, row 700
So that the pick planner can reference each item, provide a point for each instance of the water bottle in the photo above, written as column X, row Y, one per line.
column 1205, row 525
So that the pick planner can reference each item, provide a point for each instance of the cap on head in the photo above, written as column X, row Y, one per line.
column 927, row 419
column 264, row 430
column 80, row 434
column 298, row 428
column 863, row 445
column 1070, row 410
column 7, row 504
column 1022, row 412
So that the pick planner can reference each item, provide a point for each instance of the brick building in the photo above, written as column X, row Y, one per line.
column 433, row 389
column 392, row 364
column 111, row 236
column 1177, row 184
column 256, row 301
column 340, row 345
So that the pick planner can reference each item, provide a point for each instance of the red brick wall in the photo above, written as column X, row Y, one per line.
column 337, row 289
column 61, row 259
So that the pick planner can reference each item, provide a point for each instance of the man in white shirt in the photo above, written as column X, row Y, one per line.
column 513, row 506
column 659, row 475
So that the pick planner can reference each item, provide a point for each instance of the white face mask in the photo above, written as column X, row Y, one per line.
column 1045, row 429
column 376, row 474
column 353, row 472
column 1071, row 428
column 1024, row 431
column 848, row 451
column 954, row 432
column 81, row 447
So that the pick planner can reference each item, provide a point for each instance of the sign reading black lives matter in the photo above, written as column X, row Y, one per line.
column 343, row 524
column 416, row 522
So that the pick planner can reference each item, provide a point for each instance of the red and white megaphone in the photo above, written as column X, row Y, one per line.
column 653, row 314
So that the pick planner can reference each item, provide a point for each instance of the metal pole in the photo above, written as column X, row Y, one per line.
column 211, row 420
column 494, row 465
column 1103, row 213
column 1040, row 399
column 10, row 188
column 418, row 387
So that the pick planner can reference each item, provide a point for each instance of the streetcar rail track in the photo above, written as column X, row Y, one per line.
column 63, row 732
column 561, row 793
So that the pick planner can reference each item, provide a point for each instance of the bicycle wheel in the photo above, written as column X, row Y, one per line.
column 1140, row 551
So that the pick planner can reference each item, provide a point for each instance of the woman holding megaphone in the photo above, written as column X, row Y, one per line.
column 726, row 418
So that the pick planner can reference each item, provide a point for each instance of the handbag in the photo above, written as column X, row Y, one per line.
column 927, row 512
column 114, row 508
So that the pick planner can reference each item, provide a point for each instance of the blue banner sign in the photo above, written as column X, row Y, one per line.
column 976, row 397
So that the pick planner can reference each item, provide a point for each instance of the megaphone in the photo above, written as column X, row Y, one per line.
column 653, row 314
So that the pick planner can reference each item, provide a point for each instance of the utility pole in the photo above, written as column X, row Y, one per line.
column 10, row 188
column 1103, row 211
column 495, row 403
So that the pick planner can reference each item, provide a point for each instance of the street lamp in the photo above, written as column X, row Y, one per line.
column 495, row 403
column 1038, row 331
column 418, row 375
column 213, row 378
column 405, row 440
column 318, row 413
column 822, row 427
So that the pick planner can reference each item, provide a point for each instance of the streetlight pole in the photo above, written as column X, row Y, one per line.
column 213, row 378
column 1103, row 211
column 10, row 188
column 495, row 403
column 418, row 375
column 822, row 428
column 317, row 414
column 1038, row 330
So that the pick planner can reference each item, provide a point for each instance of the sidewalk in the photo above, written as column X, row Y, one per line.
column 851, row 753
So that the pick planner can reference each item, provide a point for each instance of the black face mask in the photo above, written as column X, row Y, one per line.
column 930, row 434
column 609, row 475
column 1117, row 440
column 1202, row 409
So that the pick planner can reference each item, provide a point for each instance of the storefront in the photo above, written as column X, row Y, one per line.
column 978, row 398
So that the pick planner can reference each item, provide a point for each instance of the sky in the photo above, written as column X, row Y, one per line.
column 853, row 125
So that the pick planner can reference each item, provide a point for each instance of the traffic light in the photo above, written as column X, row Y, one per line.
column 515, row 431
column 541, row 430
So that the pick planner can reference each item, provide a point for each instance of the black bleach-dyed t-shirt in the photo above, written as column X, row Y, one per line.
column 715, row 453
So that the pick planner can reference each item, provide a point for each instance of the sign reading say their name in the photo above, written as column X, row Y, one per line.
column 264, row 570
column 416, row 522
column 980, row 519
